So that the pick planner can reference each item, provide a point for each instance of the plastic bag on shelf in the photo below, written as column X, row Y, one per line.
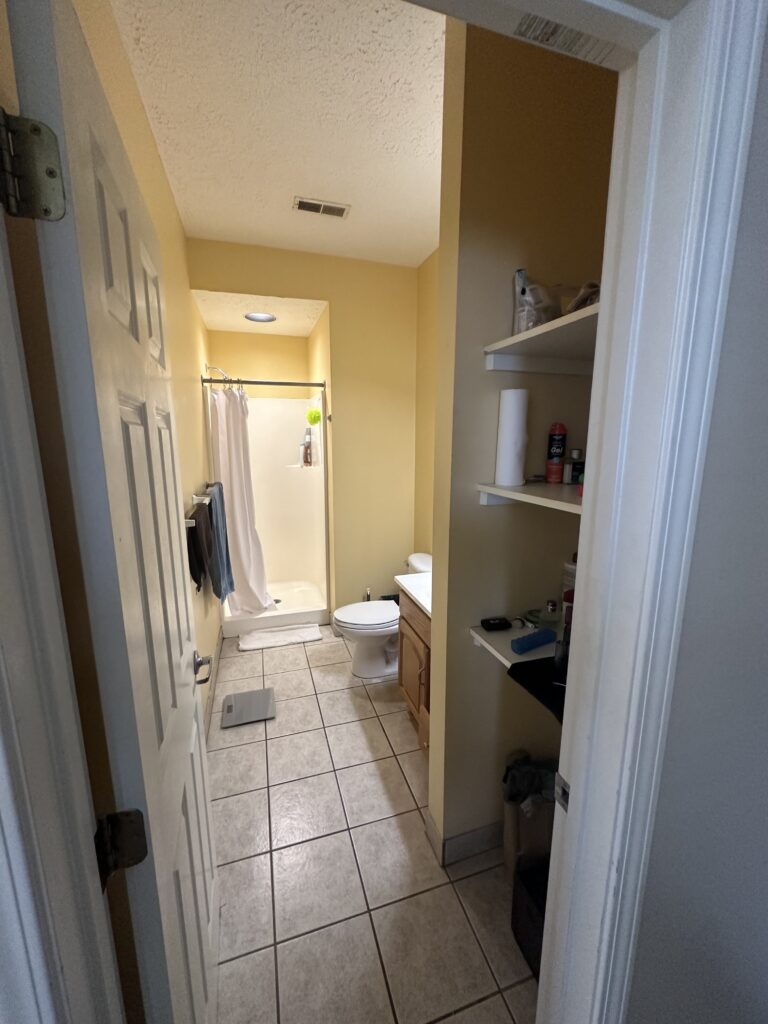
column 533, row 304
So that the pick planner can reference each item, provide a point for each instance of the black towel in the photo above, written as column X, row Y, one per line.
column 200, row 544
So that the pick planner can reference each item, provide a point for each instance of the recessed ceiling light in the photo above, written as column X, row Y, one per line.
column 261, row 318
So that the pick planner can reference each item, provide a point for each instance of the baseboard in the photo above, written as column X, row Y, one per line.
column 468, row 844
column 433, row 834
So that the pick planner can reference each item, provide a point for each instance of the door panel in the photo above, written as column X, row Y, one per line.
column 104, row 283
column 153, row 309
column 177, row 593
column 144, row 599
column 120, row 291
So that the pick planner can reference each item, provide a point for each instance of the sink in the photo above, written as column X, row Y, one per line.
column 418, row 586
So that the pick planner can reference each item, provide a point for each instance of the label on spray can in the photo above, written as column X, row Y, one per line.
column 558, row 434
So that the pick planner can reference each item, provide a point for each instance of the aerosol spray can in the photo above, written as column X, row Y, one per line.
column 558, row 435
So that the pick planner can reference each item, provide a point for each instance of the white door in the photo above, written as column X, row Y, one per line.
column 104, row 288
column 57, row 964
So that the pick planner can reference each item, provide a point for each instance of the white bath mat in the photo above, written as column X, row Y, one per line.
column 280, row 636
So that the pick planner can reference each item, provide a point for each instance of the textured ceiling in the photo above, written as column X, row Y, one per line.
column 225, row 311
column 253, row 102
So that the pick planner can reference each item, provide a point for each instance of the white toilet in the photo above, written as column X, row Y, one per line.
column 372, row 628
column 419, row 561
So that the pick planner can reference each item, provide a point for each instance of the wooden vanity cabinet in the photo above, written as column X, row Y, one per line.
column 414, row 662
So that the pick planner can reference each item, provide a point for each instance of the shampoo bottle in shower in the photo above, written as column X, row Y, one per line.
column 308, row 447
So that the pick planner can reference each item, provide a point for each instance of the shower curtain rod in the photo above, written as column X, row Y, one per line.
column 266, row 383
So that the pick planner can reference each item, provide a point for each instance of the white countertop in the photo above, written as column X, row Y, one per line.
column 418, row 586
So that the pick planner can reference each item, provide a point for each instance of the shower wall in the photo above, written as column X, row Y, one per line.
column 289, row 499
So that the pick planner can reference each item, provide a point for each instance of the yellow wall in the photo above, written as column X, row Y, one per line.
column 426, row 393
column 261, row 357
column 372, row 317
column 447, row 289
column 534, row 164
column 319, row 351
column 186, row 337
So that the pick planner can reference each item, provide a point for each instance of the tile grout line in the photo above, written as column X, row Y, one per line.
column 366, row 913
column 447, row 882
column 362, row 882
column 347, row 917
column 272, row 886
column 474, row 933
column 333, row 832
column 315, row 693
column 362, row 886
column 473, row 874
column 378, row 716
column 470, row 1006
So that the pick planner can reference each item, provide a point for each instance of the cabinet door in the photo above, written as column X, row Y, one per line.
column 413, row 665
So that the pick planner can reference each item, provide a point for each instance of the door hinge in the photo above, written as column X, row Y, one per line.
column 120, row 841
column 30, row 169
column 562, row 791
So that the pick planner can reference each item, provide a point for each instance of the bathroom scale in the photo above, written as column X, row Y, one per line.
column 244, row 708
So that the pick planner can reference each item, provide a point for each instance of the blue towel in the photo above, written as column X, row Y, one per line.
column 222, row 583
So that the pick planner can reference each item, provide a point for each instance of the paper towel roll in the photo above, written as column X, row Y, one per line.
column 513, row 437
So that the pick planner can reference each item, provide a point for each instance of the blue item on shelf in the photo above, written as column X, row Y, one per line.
column 530, row 641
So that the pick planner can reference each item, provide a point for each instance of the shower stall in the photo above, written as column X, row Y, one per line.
column 285, row 445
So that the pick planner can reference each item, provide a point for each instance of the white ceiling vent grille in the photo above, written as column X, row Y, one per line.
column 554, row 36
column 320, row 206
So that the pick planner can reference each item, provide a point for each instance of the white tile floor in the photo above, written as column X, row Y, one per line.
column 334, row 909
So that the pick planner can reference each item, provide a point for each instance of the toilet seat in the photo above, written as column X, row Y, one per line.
column 368, row 616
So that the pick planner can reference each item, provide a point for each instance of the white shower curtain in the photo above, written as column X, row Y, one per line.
column 232, row 466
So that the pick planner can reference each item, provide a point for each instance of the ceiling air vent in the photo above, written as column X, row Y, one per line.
column 320, row 206
column 554, row 36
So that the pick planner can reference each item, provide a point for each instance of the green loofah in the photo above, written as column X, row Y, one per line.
column 313, row 417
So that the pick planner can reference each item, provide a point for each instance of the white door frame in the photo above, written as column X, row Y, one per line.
column 677, row 177
column 683, row 126
column 58, row 963
column 672, row 224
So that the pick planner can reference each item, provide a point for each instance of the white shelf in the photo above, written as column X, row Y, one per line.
column 565, row 345
column 497, row 644
column 564, row 497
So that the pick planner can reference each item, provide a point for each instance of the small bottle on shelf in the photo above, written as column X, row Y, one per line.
column 549, row 616
column 574, row 466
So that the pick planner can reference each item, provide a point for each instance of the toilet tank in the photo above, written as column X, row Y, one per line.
column 420, row 561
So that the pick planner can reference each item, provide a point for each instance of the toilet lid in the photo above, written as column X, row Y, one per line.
column 368, row 613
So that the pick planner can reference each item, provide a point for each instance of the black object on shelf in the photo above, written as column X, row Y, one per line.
column 538, row 677
column 495, row 623
column 529, row 904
